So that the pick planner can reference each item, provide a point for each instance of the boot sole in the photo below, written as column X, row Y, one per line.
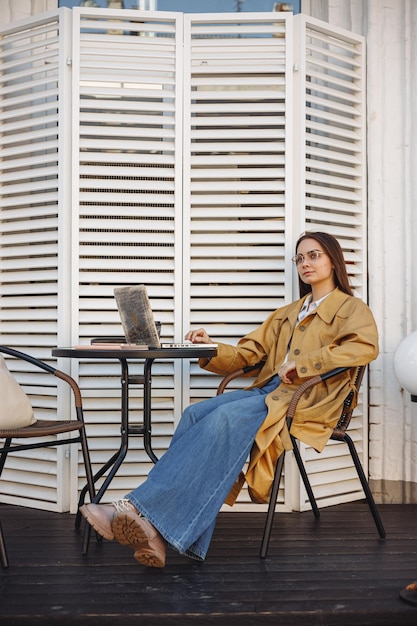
column 131, row 530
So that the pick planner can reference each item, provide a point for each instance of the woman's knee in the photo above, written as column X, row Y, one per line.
column 190, row 416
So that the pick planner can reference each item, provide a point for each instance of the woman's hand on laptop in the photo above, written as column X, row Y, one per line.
column 198, row 336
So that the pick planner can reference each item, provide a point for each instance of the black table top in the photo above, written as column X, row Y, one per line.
column 87, row 351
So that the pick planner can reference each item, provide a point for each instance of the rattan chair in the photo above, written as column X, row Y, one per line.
column 339, row 434
column 43, row 433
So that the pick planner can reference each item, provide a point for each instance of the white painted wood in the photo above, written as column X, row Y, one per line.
column 127, row 104
column 32, row 218
column 331, row 179
column 236, row 164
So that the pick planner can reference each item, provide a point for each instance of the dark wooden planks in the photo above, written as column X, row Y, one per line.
column 332, row 571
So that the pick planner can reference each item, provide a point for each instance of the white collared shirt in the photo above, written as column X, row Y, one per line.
column 308, row 306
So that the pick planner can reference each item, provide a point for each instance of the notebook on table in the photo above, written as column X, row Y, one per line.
column 138, row 321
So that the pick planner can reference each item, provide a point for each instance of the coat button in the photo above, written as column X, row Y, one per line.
column 303, row 370
column 296, row 352
column 317, row 366
column 301, row 328
column 275, row 397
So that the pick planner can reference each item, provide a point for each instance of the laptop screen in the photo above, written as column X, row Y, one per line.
column 136, row 315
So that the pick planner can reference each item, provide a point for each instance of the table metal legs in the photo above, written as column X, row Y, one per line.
column 144, row 430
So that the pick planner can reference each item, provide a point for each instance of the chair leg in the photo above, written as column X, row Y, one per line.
column 3, row 455
column 3, row 552
column 271, row 507
column 90, row 485
column 365, row 486
column 306, row 481
column 86, row 539
column 78, row 518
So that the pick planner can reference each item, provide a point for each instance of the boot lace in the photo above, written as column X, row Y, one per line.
column 123, row 505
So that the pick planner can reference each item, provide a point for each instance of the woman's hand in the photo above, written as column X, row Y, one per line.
column 287, row 372
column 198, row 336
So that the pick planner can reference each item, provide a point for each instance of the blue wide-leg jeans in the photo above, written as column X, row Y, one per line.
column 185, row 490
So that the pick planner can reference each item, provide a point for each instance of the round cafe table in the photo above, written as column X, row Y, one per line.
column 125, row 354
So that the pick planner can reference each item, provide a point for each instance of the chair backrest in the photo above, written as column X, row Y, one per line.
column 346, row 415
column 347, row 410
column 249, row 370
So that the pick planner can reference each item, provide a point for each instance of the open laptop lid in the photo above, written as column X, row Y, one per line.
column 136, row 315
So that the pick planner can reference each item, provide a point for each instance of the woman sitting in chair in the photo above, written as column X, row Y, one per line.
column 179, row 501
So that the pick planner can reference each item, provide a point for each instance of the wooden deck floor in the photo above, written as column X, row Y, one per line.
column 331, row 572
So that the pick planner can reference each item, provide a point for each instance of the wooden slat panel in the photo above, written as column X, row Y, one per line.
column 235, row 179
column 334, row 188
column 127, row 189
column 30, row 163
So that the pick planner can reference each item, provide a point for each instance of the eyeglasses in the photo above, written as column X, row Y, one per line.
column 313, row 255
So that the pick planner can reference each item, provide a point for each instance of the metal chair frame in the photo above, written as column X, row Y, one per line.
column 46, row 428
column 339, row 434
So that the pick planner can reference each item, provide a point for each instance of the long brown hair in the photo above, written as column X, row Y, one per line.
column 333, row 250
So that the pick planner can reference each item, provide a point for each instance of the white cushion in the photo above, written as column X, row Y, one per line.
column 15, row 408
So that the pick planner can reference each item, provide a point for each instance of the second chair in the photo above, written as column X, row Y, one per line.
column 339, row 434
column 46, row 433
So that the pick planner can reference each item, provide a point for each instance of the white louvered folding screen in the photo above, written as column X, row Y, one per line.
column 33, row 253
column 237, row 79
column 331, row 138
column 127, row 195
column 186, row 152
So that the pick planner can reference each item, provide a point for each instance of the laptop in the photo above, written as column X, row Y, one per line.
column 138, row 321
column 136, row 316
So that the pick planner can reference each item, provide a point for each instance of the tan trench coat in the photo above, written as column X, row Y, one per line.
column 341, row 332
